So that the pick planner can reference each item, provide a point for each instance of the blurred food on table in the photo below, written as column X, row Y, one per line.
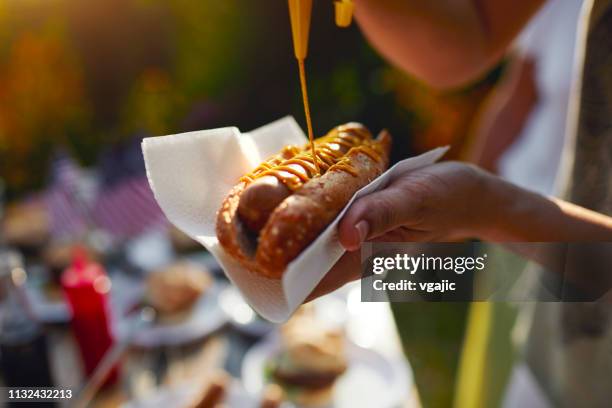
column 272, row 396
column 175, row 288
column 26, row 226
column 311, row 359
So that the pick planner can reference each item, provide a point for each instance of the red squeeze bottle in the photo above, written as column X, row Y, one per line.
column 86, row 286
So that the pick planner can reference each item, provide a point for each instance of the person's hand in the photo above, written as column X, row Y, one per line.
column 453, row 201
column 442, row 202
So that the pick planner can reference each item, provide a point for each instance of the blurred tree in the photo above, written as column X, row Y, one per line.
column 211, row 41
column 152, row 104
column 117, row 40
column 41, row 102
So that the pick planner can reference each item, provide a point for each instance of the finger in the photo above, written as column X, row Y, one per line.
column 375, row 214
column 347, row 269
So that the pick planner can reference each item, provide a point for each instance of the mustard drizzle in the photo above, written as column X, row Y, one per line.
column 328, row 152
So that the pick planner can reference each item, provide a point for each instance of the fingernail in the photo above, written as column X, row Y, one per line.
column 363, row 228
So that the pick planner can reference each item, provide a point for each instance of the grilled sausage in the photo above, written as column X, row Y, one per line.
column 277, row 210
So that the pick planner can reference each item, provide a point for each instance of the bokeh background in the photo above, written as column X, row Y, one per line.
column 85, row 81
column 93, row 76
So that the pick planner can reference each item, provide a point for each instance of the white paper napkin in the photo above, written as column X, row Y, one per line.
column 191, row 173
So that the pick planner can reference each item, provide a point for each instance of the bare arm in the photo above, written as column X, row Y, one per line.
column 522, row 216
column 566, row 239
column 451, row 201
column 445, row 43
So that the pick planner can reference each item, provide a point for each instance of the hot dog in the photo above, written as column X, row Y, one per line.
column 264, row 194
column 278, row 209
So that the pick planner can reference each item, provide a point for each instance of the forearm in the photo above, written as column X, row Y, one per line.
column 565, row 239
column 517, row 215
column 447, row 42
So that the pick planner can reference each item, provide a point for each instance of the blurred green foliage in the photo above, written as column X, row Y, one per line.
column 88, row 74
column 84, row 75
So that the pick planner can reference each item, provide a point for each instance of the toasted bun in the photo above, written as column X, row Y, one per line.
column 297, row 221
column 313, row 398
column 310, row 347
column 311, row 359
column 177, row 287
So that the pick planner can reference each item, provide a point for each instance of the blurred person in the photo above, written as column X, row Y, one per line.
column 520, row 136
column 452, row 43
column 521, row 131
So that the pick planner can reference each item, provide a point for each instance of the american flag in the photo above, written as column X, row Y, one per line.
column 67, row 214
column 128, row 208
column 125, row 206
column 123, row 203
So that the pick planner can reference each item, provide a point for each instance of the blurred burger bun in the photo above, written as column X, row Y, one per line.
column 176, row 288
column 311, row 359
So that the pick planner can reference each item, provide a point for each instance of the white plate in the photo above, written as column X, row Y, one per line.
column 371, row 380
column 181, row 396
column 204, row 318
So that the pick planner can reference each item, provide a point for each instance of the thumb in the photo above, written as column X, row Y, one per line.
column 373, row 215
